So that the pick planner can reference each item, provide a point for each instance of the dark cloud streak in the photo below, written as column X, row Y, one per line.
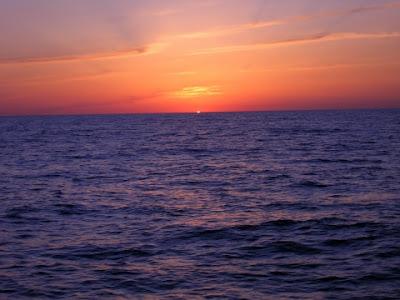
column 78, row 57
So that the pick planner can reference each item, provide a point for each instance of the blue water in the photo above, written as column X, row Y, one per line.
column 280, row 205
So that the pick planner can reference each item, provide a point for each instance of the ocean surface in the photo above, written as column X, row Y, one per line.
column 278, row 205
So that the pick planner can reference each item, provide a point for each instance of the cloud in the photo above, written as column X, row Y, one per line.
column 198, row 91
column 154, row 48
column 229, row 30
column 363, row 9
column 322, row 67
column 321, row 37
column 343, row 14
column 347, row 12
column 125, row 34
column 257, row 24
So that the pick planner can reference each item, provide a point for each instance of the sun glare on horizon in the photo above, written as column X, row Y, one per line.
column 200, row 149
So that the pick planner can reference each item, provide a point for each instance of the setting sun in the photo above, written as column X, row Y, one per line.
column 149, row 56
column 200, row 149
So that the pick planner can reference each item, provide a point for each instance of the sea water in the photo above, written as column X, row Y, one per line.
column 274, row 205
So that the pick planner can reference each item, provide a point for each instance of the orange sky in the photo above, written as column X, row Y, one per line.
column 98, row 56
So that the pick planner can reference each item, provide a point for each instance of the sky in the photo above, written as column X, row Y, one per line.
column 148, row 56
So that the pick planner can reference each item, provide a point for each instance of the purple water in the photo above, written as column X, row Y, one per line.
column 284, row 205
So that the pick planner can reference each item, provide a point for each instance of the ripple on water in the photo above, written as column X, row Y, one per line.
column 295, row 205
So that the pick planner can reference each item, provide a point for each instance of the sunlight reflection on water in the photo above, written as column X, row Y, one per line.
column 242, row 205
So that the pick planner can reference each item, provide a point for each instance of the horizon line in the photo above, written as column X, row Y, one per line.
column 196, row 112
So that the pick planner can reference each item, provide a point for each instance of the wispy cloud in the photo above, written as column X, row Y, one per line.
column 229, row 30
column 257, row 24
column 321, row 37
column 220, row 31
column 347, row 12
column 198, row 91
column 145, row 50
column 366, row 8
column 322, row 67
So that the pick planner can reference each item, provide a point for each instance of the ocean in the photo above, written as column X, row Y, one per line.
column 268, row 205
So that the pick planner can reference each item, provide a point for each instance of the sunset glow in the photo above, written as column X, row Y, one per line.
column 198, row 91
column 90, row 56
